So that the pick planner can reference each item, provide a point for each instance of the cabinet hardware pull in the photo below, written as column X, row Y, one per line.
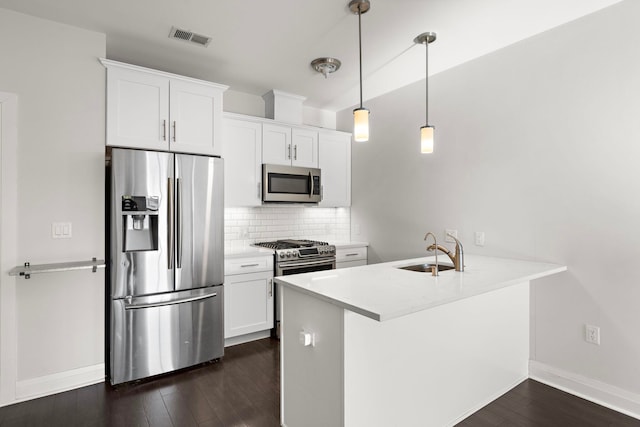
column 270, row 287
column 351, row 254
column 249, row 265
column 174, row 131
column 164, row 130
column 289, row 149
column 295, row 152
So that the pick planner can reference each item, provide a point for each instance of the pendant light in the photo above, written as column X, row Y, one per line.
column 360, row 115
column 426, row 131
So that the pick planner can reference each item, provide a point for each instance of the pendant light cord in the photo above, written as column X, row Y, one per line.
column 360, row 48
column 426, row 82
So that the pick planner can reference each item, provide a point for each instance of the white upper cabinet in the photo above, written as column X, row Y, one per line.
column 196, row 118
column 284, row 145
column 305, row 148
column 137, row 109
column 154, row 110
column 335, row 162
column 242, row 154
column 276, row 144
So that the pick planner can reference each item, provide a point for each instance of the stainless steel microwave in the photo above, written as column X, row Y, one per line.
column 290, row 184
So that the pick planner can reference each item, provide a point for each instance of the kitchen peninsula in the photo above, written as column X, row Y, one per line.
column 378, row 345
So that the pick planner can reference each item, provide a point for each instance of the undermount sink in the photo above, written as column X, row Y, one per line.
column 426, row 267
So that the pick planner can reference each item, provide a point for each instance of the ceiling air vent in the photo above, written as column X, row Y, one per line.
column 188, row 36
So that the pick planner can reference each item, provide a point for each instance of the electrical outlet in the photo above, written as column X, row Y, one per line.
column 451, row 231
column 592, row 334
column 479, row 238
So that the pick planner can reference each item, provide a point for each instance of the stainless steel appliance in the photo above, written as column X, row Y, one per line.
column 291, row 184
column 166, row 262
column 298, row 256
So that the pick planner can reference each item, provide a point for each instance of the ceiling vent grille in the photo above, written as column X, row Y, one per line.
column 188, row 36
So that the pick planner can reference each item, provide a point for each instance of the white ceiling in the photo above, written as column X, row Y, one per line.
column 268, row 44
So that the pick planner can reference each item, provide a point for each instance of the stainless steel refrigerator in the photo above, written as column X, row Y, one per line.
column 166, row 262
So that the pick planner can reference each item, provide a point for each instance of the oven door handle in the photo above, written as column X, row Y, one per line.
column 307, row 263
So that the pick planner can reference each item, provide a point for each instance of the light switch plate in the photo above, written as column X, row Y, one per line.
column 61, row 230
column 479, row 238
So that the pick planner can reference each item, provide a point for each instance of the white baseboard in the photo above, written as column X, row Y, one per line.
column 59, row 382
column 247, row 338
column 595, row 391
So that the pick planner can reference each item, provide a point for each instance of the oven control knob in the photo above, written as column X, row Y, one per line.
column 289, row 254
column 281, row 254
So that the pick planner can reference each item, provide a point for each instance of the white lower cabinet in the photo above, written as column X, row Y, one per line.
column 351, row 256
column 248, row 299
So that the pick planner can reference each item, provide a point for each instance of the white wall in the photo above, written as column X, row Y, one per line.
column 537, row 146
column 59, row 82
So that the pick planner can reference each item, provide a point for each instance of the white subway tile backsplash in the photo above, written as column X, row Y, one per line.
column 244, row 226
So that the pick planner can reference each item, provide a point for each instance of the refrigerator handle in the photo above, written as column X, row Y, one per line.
column 134, row 306
column 179, row 221
column 170, row 223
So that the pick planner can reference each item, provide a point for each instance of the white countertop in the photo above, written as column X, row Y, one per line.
column 383, row 292
column 247, row 252
column 349, row 245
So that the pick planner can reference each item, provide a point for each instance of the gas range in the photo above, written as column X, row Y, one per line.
column 292, row 249
column 295, row 257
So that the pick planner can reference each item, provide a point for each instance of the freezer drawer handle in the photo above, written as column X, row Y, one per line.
column 131, row 306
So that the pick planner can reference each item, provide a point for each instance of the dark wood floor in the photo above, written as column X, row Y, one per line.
column 243, row 391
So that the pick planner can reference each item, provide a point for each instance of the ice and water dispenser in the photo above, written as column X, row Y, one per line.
column 140, row 223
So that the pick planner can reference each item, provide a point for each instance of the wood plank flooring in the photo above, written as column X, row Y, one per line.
column 244, row 391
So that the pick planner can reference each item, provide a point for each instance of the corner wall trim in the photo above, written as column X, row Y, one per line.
column 58, row 382
column 604, row 394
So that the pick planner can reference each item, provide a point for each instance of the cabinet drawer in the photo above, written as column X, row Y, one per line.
column 248, row 265
column 351, row 254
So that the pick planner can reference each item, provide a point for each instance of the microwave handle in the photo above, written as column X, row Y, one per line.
column 311, row 186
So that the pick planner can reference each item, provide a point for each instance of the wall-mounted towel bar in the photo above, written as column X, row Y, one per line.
column 27, row 269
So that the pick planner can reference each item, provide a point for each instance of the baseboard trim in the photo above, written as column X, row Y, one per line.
column 241, row 339
column 59, row 382
column 604, row 394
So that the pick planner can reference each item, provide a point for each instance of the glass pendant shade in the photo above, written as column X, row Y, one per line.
column 426, row 139
column 361, row 125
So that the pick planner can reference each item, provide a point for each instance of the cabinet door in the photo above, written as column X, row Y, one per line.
column 248, row 303
column 276, row 144
column 196, row 116
column 137, row 109
column 334, row 155
column 305, row 148
column 242, row 154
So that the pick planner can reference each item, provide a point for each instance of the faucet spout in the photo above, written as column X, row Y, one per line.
column 458, row 258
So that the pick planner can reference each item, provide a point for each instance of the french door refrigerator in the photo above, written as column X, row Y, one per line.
column 166, row 262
